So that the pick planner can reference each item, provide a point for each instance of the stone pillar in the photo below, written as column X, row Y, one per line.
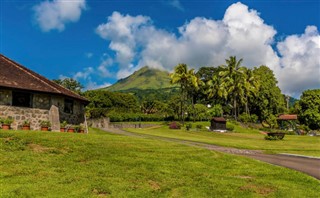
column 54, row 118
column 106, row 123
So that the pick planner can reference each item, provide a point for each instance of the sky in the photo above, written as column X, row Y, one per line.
column 99, row 42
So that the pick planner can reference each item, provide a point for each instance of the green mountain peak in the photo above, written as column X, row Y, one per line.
column 144, row 78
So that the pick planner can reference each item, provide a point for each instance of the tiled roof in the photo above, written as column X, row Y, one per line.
column 288, row 117
column 219, row 119
column 14, row 75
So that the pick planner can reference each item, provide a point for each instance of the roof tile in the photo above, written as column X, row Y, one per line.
column 14, row 75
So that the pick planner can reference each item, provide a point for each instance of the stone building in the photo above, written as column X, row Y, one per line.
column 26, row 95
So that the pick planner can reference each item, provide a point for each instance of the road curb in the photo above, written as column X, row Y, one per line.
column 302, row 156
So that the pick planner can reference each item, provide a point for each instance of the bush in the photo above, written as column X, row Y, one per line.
column 245, row 118
column 174, row 125
column 271, row 138
column 8, row 120
column 188, row 126
column 199, row 126
column 230, row 127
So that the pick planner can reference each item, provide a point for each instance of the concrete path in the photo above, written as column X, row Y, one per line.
column 310, row 166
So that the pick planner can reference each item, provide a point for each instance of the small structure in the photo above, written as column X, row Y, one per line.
column 287, row 121
column 26, row 95
column 218, row 124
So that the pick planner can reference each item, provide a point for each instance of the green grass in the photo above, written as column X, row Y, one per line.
column 244, row 138
column 48, row 164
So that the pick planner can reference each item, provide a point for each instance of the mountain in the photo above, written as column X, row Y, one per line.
column 143, row 79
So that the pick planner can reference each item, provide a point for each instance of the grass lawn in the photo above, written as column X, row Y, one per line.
column 242, row 138
column 49, row 164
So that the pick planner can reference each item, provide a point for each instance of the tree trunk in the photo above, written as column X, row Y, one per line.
column 235, row 107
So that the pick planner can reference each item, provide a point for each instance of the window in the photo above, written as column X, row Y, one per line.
column 21, row 99
column 68, row 106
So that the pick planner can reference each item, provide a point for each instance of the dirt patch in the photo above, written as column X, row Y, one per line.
column 244, row 177
column 100, row 192
column 154, row 185
column 39, row 148
column 262, row 190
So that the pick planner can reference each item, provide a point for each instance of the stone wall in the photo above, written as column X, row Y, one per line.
column 102, row 123
column 105, row 123
column 20, row 114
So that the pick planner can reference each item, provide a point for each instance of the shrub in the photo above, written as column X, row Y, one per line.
column 8, row 121
column 272, row 121
column 26, row 123
column 245, row 118
column 63, row 124
column 174, row 125
column 188, row 126
column 272, row 138
column 45, row 123
column 199, row 126
column 254, row 118
column 230, row 127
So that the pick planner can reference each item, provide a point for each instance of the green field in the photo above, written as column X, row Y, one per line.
column 49, row 164
column 244, row 138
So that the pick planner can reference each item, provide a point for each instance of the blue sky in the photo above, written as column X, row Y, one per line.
column 99, row 42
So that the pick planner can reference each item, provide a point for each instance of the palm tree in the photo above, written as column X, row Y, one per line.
column 180, row 76
column 232, row 81
column 193, row 86
column 189, row 84
column 251, row 87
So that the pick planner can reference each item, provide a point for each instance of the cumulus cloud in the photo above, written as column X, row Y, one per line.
column 300, row 62
column 207, row 42
column 51, row 15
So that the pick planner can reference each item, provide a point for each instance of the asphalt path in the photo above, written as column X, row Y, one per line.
column 308, row 165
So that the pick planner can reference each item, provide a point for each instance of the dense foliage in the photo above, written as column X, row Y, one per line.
column 103, row 102
column 309, row 108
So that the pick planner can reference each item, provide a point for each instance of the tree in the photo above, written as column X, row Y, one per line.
column 70, row 84
column 232, row 82
column 188, row 82
column 268, row 99
column 102, row 102
column 251, row 86
column 309, row 112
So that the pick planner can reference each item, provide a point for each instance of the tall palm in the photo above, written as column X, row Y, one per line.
column 193, row 86
column 251, row 86
column 181, row 76
column 232, row 81
column 189, row 84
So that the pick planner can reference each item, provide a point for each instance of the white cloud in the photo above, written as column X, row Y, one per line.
column 176, row 4
column 93, row 85
column 89, row 54
column 103, row 68
column 205, row 42
column 51, row 15
column 300, row 62
column 85, row 74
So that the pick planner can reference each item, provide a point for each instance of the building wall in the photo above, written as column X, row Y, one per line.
column 20, row 114
column 40, row 111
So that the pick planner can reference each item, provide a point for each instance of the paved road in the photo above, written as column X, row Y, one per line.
column 310, row 166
